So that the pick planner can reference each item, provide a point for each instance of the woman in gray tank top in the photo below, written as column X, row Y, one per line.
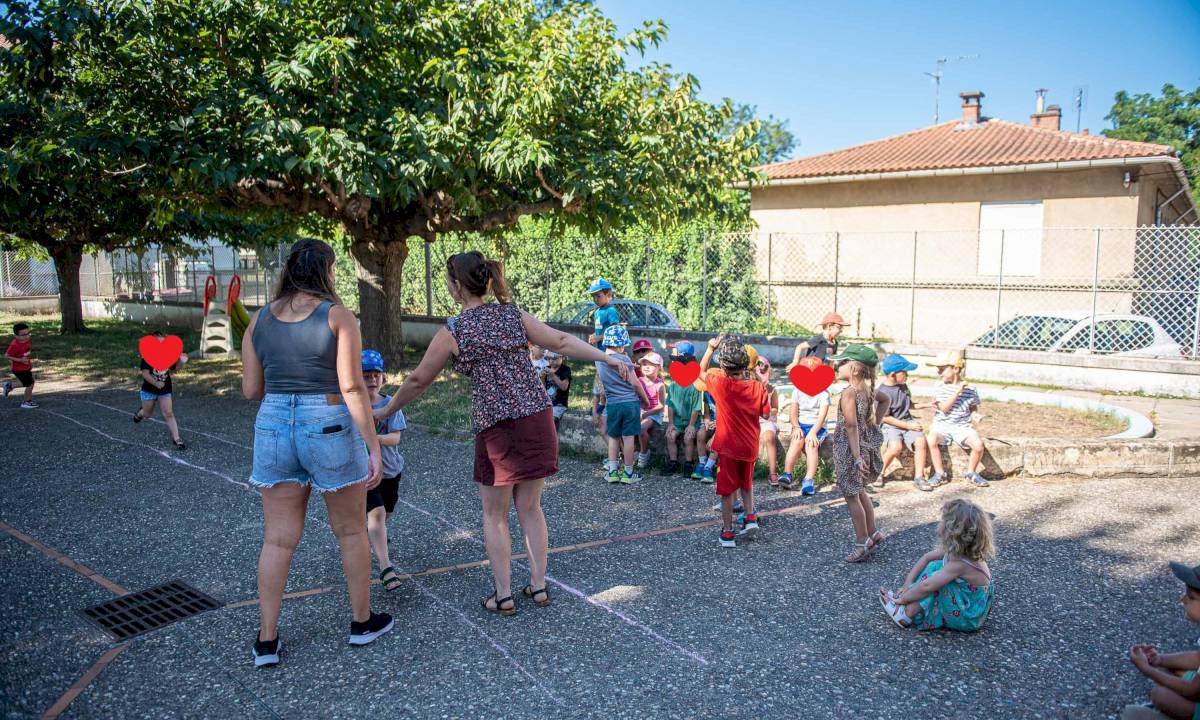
column 301, row 356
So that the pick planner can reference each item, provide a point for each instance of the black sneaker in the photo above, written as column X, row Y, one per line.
column 687, row 470
column 671, row 467
column 266, row 652
column 7, row 388
column 180, row 444
column 137, row 417
column 362, row 633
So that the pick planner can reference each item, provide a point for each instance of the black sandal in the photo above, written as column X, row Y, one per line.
column 532, row 594
column 390, row 578
column 499, row 608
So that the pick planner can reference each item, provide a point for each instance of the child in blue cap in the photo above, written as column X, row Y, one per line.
column 624, row 404
column 381, row 500
column 900, row 428
column 605, row 315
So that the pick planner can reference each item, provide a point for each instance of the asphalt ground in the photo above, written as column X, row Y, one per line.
column 650, row 618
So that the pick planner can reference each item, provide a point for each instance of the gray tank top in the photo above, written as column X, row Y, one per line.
column 899, row 401
column 298, row 358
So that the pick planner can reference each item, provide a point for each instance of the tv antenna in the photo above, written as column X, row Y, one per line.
column 937, row 81
column 1079, row 95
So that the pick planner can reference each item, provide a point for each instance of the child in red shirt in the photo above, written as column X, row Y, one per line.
column 20, row 354
column 741, row 400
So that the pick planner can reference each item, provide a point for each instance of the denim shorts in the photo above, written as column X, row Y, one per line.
column 151, row 397
column 302, row 439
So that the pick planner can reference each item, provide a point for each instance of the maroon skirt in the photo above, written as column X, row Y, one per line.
column 517, row 449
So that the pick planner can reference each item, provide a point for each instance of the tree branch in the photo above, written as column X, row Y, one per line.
column 546, row 185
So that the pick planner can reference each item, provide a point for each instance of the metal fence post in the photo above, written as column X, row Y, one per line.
column 3, row 273
column 837, row 251
column 912, row 294
column 999, row 290
column 703, row 281
column 1095, row 285
column 96, row 272
column 770, row 308
column 428, row 281
column 647, row 246
column 1196, row 322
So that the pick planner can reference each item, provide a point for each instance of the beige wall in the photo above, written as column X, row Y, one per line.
column 877, row 223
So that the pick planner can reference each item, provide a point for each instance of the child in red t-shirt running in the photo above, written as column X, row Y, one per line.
column 20, row 354
column 741, row 401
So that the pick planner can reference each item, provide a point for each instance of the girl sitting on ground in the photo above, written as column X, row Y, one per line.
column 950, row 586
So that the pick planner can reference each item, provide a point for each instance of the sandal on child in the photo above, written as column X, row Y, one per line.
column 532, row 594
column 893, row 610
column 498, row 607
column 390, row 578
column 877, row 539
column 862, row 552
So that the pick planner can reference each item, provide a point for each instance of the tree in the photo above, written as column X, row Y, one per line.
column 414, row 118
column 1171, row 119
column 775, row 142
column 56, row 190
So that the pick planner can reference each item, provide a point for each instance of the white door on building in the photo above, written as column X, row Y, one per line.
column 1016, row 225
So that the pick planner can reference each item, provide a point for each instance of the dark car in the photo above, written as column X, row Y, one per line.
column 634, row 313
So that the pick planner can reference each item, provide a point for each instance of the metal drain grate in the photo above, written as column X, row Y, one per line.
column 140, row 612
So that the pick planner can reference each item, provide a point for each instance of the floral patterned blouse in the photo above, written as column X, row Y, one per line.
column 493, row 351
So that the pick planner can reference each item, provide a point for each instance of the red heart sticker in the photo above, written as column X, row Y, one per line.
column 160, row 353
column 685, row 373
column 811, row 382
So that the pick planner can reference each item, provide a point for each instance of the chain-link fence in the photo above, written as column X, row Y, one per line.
column 1109, row 290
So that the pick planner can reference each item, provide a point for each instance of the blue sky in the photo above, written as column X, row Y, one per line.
column 845, row 73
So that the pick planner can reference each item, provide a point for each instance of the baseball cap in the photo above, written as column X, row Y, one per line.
column 642, row 344
column 551, row 355
column 654, row 358
column 683, row 347
column 861, row 353
column 615, row 336
column 751, row 356
column 372, row 361
column 812, row 362
column 895, row 363
column 948, row 358
column 832, row 318
column 1189, row 575
column 600, row 284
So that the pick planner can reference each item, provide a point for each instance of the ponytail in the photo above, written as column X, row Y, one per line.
column 478, row 275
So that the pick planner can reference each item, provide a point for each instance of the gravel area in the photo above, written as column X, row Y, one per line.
column 666, row 625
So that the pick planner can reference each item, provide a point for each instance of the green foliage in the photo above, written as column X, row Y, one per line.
column 1170, row 119
column 773, row 139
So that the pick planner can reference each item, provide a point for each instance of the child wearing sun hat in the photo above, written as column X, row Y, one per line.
column 954, row 403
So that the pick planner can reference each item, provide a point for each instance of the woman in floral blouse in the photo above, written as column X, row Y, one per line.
column 516, row 445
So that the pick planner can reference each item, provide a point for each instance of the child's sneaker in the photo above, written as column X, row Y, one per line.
column 938, row 480
column 977, row 479
column 728, row 539
column 640, row 460
column 687, row 470
column 749, row 526
column 614, row 475
column 698, row 473
column 785, row 481
column 671, row 467
column 29, row 405
column 362, row 633
column 630, row 478
column 807, row 487
column 922, row 484
column 773, row 480
column 707, row 475
column 137, row 417
column 266, row 652
column 7, row 388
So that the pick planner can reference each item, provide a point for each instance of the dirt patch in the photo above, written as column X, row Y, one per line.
column 1014, row 419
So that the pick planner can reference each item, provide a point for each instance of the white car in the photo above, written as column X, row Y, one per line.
column 1116, row 334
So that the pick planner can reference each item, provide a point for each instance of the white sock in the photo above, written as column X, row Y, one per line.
column 628, row 469
column 712, row 461
column 612, row 464
column 701, row 460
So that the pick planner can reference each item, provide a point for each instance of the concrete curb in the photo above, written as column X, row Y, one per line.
column 1005, row 457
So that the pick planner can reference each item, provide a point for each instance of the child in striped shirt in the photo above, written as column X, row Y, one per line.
column 954, row 403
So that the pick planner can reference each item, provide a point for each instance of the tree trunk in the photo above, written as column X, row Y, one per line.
column 379, row 263
column 67, row 259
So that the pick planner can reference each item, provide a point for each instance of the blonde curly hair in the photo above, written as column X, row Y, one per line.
column 966, row 531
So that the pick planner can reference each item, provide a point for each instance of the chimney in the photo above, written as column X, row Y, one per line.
column 1046, row 117
column 972, row 107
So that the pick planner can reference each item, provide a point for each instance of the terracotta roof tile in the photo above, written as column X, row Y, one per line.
column 952, row 145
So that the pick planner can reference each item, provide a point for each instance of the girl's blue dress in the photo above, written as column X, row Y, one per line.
column 958, row 605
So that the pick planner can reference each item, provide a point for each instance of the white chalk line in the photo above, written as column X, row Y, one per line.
column 499, row 647
column 160, row 422
column 156, row 451
column 632, row 622
column 574, row 591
